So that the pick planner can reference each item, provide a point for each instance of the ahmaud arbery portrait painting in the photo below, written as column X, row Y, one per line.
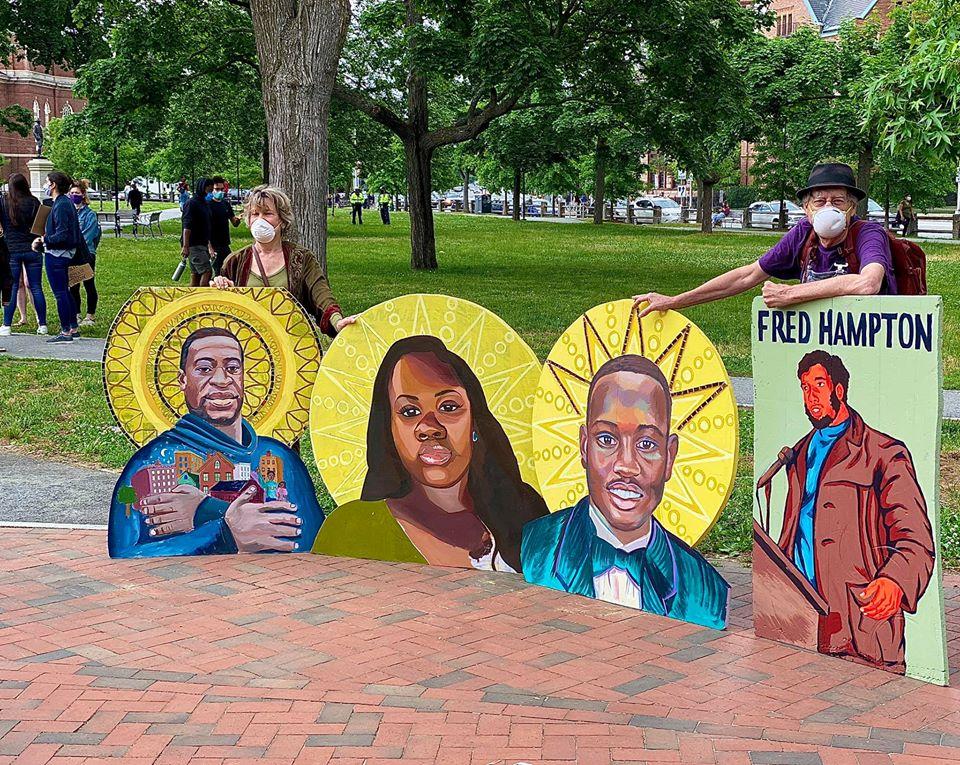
column 635, row 435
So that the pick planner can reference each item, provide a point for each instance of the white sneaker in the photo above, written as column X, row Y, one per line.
column 42, row 329
column 4, row 331
column 87, row 322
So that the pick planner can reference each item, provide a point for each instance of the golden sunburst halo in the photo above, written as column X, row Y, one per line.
column 507, row 368
column 704, row 411
column 141, row 360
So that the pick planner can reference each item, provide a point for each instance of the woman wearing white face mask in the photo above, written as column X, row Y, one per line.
column 272, row 262
column 831, row 252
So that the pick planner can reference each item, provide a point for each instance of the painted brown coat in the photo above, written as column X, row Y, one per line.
column 305, row 280
column 870, row 520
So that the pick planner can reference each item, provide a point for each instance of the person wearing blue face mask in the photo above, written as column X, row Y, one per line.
column 222, row 216
column 61, row 237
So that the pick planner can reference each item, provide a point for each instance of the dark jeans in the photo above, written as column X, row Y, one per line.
column 221, row 255
column 57, row 276
column 90, row 287
column 33, row 263
column 356, row 214
column 385, row 214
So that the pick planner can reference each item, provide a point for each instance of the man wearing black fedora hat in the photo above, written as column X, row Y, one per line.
column 828, row 256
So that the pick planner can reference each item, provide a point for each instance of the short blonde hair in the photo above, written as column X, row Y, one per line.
column 83, row 185
column 281, row 203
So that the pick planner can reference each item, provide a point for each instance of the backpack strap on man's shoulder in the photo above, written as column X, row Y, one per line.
column 849, row 246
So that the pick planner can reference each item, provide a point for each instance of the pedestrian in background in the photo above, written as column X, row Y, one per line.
column 905, row 214
column 18, row 208
column 356, row 207
column 135, row 198
column 222, row 217
column 384, row 201
column 183, row 193
column 61, row 237
column 195, row 243
column 91, row 232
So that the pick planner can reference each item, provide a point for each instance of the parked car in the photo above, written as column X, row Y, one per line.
column 767, row 214
column 669, row 210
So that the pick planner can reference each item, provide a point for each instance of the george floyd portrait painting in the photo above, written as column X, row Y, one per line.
column 210, row 483
column 420, row 426
column 845, row 558
column 610, row 546
column 442, row 485
column 212, row 393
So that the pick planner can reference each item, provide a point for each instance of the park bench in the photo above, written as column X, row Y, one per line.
column 149, row 221
column 123, row 218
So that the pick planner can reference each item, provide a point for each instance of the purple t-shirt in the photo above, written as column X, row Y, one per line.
column 783, row 259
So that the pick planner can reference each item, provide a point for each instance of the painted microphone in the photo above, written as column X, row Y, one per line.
column 784, row 458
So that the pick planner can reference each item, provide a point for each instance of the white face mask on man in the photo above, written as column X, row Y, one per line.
column 829, row 222
column 262, row 231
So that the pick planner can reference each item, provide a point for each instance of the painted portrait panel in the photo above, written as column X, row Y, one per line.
column 420, row 426
column 847, row 448
column 635, row 437
column 208, row 385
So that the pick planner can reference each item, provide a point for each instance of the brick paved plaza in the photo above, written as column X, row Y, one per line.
column 282, row 659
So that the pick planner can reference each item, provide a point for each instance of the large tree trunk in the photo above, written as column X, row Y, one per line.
column 517, row 178
column 298, row 46
column 465, row 176
column 599, row 179
column 423, row 245
column 419, row 156
column 864, row 172
column 706, row 218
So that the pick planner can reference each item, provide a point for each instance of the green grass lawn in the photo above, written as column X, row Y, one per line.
column 537, row 276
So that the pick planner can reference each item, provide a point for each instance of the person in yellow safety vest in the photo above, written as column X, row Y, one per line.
column 356, row 205
column 384, row 201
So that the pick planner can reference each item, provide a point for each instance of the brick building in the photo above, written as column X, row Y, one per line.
column 45, row 93
column 215, row 468
column 826, row 16
column 187, row 462
column 153, row 479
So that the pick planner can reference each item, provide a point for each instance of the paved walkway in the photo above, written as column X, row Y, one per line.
column 311, row 659
column 20, row 345
column 41, row 491
column 91, row 349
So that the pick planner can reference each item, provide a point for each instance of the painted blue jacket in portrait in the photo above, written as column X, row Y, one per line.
column 194, row 453
column 562, row 551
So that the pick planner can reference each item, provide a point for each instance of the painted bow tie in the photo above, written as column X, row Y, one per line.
column 606, row 557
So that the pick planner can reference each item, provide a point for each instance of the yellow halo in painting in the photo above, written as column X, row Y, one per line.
column 507, row 368
column 704, row 411
column 141, row 361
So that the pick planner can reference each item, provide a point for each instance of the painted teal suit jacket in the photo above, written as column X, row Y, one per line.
column 557, row 552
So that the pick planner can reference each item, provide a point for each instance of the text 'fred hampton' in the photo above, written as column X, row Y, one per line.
column 887, row 329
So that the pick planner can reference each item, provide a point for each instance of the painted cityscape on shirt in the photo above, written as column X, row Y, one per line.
column 214, row 475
